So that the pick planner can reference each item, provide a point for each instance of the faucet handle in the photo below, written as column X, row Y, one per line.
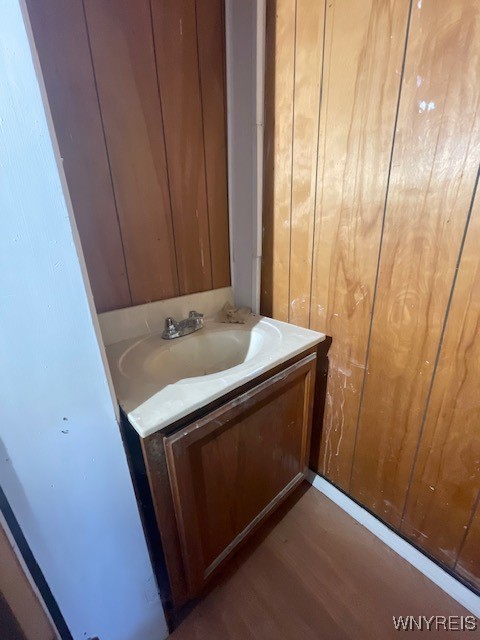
column 197, row 319
column 170, row 327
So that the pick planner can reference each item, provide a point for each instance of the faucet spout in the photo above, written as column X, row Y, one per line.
column 174, row 329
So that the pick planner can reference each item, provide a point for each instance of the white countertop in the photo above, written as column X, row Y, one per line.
column 158, row 381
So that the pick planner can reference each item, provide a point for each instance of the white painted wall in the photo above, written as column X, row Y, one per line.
column 245, row 38
column 62, row 463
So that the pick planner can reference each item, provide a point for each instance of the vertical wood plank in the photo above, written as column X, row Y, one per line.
column 211, row 53
column 446, row 478
column 62, row 43
column 364, row 49
column 124, row 63
column 308, row 70
column 468, row 564
column 279, row 83
column 433, row 173
column 177, row 63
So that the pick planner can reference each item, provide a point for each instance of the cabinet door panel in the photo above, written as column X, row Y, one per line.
column 231, row 468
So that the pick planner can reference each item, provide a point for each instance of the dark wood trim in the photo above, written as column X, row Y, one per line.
column 319, row 404
column 143, row 494
column 156, row 466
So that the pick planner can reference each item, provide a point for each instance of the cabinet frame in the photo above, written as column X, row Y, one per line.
column 182, row 482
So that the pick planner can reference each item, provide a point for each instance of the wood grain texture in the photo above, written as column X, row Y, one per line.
column 321, row 379
column 308, row 70
column 124, row 63
column 468, row 563
column 446, row 479
column 279, row 85
column 153, row 451
column 359, row 100
column 62, row 42
column 433, row 175
column 315, row 574
column 231, row 468
column 211, row 57
column 175, row 31
column 104, row 67
column 412, row 207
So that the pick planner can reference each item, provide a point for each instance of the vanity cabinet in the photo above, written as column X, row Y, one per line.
column 205, row 483
column 231, row 468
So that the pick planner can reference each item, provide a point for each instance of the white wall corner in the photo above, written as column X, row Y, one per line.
column 245, row 44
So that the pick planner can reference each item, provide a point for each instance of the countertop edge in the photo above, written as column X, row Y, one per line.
column 145, row 433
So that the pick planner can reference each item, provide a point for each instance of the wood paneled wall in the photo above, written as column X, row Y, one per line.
column 137, row 94
column 371, row 234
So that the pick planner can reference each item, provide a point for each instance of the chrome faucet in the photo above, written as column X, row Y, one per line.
column 173, row 329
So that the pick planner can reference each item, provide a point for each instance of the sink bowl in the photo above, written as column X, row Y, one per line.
column 200, row 354
column 158, row 381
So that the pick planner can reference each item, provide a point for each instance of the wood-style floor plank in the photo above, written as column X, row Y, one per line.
column 313, row 573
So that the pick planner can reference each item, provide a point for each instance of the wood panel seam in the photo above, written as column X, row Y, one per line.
column 435, row 367
column 372, row 313
column 200, row 89
column 324, row 141
column 164, row 140
column 292, row 158
column 225, row 116
column 320, row 101
column 114, row 195
column 467, row 528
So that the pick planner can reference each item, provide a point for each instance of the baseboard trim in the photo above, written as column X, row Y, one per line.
column 430, row 569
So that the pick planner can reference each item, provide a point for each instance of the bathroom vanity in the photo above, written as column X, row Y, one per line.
column 217, row 425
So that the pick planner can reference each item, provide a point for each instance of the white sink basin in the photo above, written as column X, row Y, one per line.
column 159, row 381
column 203, row 353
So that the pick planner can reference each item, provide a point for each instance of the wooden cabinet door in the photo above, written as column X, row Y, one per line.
column 235, row 465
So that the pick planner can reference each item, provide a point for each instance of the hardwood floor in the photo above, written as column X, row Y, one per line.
column 314, row 573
